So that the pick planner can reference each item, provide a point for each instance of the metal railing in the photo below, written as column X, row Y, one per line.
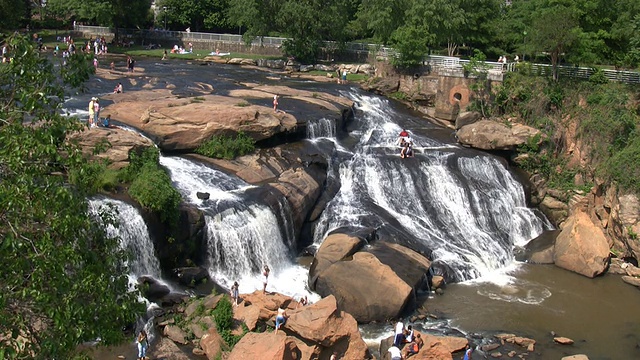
column 436, row 62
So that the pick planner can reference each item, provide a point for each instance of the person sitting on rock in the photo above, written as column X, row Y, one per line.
column 407, row 151
column 413, row 347
column 408, row 334
column 404, row 137
column 303, row 301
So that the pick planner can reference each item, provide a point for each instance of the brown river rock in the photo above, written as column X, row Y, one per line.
column 118, row 144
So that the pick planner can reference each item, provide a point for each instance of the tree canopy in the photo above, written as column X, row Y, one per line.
column 585, row 32
column 64, row 280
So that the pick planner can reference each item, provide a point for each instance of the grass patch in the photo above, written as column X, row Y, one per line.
column 226, row 147
column 398, row 95
column 243, row 104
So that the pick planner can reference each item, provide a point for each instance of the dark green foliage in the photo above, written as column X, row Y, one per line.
column 78, row 70
column 606, row 119
column 224, row 147
column 223, row 314
column 598, row 77
column 63, row 280
column 623, row 166
column 151, row 186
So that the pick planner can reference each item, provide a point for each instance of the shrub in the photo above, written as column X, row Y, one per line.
column 151, row 186
column 153, row 189
column 223, row 314
column 224, row 147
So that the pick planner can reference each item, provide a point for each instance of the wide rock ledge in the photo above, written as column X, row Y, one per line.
column 117, row 142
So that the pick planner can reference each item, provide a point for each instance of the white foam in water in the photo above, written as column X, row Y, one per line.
column 467, row 209
column 82, row 115
column 501, row 285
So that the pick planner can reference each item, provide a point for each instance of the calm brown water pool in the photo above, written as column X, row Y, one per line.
column 601, row 315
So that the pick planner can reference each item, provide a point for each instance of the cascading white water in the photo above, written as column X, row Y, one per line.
column 133, row 234
column 463, row 205
column 243, row 234
column 321, row 128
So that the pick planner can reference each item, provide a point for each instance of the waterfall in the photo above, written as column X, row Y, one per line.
column 133, row 234
column 460, row 204
column 321, row 128
column 243, row 234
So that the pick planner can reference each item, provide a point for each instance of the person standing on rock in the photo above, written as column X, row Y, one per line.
column 467, row 353
column 265, row 275
column 143, row 344
column 275, row 102
column 399, row 334
column 92, row 111
column 234, row 292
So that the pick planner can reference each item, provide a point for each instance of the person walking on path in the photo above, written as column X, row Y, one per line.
column 265, row 275
column 143, row 344
column 235, row 293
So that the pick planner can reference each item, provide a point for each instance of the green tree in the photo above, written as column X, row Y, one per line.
column 63, row 279
column 555, row 29
column 199, row 15
column 380, row 18
column 117, row 13
column 14, row 14
column 257, row 17
column 308, row 23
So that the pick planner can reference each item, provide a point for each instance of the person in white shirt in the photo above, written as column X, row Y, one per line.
column 395, row 353
column 399, row 334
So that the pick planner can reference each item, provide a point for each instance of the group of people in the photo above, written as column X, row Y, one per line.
column 406, row 143
column 180, row 50
column 94, row 115
column 406, row 343
column 407, row 340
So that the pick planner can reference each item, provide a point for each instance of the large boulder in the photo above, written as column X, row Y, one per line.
column 382, row 85
column 267, row 345
column 492, row 135
column 212, row 343
column 301, row 189
column 167, row 349
column 467, row 118
column 582, row 247
column 117, row 143
column 434, row 347
column 334, row 248
column 541, row 249
column 396, row 270
column 257, row 308
column 350, row 282
column 334, row 330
